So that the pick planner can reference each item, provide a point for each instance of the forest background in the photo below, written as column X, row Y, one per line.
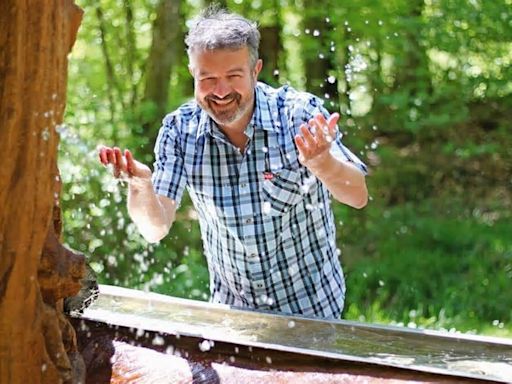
column 424, row 88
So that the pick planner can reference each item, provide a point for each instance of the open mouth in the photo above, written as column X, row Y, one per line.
column 222, row 103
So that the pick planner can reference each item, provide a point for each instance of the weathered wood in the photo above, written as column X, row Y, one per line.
column 37, row 343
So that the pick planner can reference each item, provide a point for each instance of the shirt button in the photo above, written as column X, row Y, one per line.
column 253, row 255
column 243, row 185
column 249, row 221
column 259, row 285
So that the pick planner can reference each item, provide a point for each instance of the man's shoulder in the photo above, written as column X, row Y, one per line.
column 287, row 95
column 182, row 115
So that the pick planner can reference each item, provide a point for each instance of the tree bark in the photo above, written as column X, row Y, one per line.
column 37, row 344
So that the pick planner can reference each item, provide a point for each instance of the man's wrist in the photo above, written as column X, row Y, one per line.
column 321, row 165
column 139, row 184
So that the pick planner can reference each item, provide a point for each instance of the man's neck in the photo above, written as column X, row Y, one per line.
column 239, row 126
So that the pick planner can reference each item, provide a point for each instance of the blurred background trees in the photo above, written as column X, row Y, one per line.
column 425, row 92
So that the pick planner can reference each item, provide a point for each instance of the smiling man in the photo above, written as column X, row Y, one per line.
column 260, row 165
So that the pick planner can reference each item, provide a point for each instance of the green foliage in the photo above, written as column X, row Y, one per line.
column 430, row 265
column 425, row 91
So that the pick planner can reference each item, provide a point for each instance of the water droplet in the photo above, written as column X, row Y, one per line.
column 205, row 345
column 158, row 340
column 291, row 324
column 316, row 32
column 331, row 79
column 45, row 134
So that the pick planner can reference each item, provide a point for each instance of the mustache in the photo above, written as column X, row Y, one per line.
column 230, row 96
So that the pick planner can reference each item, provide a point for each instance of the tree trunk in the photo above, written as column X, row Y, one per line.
column 319, row 59
column 164, row 53
column 412, row 69
column 220, row 3
column 37, row 344
column 271, row 47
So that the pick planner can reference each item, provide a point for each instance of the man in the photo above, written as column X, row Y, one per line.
column 259, row 164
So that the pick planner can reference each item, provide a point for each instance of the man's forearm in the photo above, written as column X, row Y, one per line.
column 344, row 180
column 147, row 211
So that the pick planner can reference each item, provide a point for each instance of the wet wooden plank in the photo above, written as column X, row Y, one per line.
column 347, row 343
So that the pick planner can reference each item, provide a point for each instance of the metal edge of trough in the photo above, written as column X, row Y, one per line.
column 148, row 297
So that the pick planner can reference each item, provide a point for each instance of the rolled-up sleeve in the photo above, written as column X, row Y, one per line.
column 169, row 176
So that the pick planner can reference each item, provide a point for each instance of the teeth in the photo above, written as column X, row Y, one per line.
column 223, row 102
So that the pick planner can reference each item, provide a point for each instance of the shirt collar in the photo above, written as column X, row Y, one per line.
column 262, row 116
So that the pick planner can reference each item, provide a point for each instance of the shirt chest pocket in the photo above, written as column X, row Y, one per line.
column 281, row 192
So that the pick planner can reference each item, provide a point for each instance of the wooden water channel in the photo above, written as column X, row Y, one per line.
column 129, row 336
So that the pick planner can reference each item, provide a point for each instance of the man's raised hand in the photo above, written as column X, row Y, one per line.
column 315, row 138
column 123, row 165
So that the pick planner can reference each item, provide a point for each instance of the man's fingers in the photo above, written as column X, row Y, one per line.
column 333, row 119
column 322, row 132
column 307, row 135
column 111, row 157
column 120, row 162
column 331, row 123
column 103, row 155
column 130, row 162
column 320, row 120
column 302, row 147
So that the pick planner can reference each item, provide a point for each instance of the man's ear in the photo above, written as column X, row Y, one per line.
column 257, row 68
column 191, row 70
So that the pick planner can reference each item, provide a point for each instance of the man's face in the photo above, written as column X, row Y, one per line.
column 224, row 83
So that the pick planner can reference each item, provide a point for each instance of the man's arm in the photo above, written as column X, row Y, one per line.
column 344, row 180
column 152, row 214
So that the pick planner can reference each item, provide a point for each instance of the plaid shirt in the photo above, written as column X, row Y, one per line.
column 267, row 227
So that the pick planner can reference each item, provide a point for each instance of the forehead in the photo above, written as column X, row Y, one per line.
column 219, row 60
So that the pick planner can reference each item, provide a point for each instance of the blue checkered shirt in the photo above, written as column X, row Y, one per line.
column 267, row 227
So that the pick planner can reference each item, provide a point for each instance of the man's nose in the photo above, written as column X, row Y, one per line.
column 222, row 88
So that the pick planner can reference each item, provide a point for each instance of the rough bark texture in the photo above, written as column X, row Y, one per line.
column 37, row 343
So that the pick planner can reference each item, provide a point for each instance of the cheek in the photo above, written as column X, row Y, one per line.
column 201, row 91
column 244, row 87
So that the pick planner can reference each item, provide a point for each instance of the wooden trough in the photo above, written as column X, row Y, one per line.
column 129, row 336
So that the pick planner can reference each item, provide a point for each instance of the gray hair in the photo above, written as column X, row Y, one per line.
column 217, row 28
